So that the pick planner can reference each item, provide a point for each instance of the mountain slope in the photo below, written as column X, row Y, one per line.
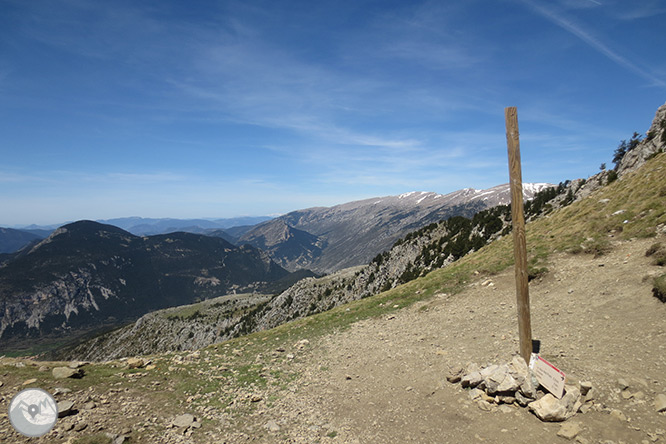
column 288, row 246
column 351, row 234
column 633, row 206
column 88, row 273
column 431, row 247
column 12, row 240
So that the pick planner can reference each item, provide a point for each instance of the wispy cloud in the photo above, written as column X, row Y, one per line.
column 74, row 178
column 593, row 41
column 629, row 11
column 9, row 177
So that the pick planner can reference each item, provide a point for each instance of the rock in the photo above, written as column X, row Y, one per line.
column 472, row 367
column 76, row 364
column 60, row 390
column 590, row 396
column 615, row 413
column 66, row 372
column 43, row 368
column 623, row 384
column 29, row 381
column 135, row 363
column 183, row 421
column 519, row 369
column 455, row 375
column 500, row 381
column 272, row 426
column 80, row 426
column 505, row 399
column 549, row 409
column 256, row 398
column 474, row 378
column 529, row 388
column 523, row 400
column 485, row 406
column 571, row 399
column 65, row 408
column 647, row 147
column 475, row 394
column 660, row 403
column 508, row 385
column 471, row 379
column 569, row 430
column 585, row 387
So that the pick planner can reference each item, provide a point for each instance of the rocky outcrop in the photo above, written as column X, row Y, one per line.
column 653, row 143
column 187, row 327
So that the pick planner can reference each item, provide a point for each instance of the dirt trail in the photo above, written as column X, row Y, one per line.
column 383, row 380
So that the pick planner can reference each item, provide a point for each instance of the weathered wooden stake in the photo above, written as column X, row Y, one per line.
column 519, row 241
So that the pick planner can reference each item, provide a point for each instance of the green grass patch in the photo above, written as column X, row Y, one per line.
column 97, row 438
column 659, row 288
column 657, row 252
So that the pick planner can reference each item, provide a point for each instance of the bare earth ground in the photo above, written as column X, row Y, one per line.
column 383, row 380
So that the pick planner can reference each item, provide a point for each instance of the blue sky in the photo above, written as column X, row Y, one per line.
column 229, row 108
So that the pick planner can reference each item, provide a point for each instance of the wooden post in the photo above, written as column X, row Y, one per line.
column 519, row 241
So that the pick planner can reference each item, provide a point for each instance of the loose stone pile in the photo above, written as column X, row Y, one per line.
column 514, row 383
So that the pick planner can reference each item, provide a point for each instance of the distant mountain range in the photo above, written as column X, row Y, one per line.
column 315, row 234
column 327, row 239
column 144, row 226
column 13, row 239
column 88, row 274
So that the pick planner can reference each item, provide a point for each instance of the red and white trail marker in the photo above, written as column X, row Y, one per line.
column 549, row 376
